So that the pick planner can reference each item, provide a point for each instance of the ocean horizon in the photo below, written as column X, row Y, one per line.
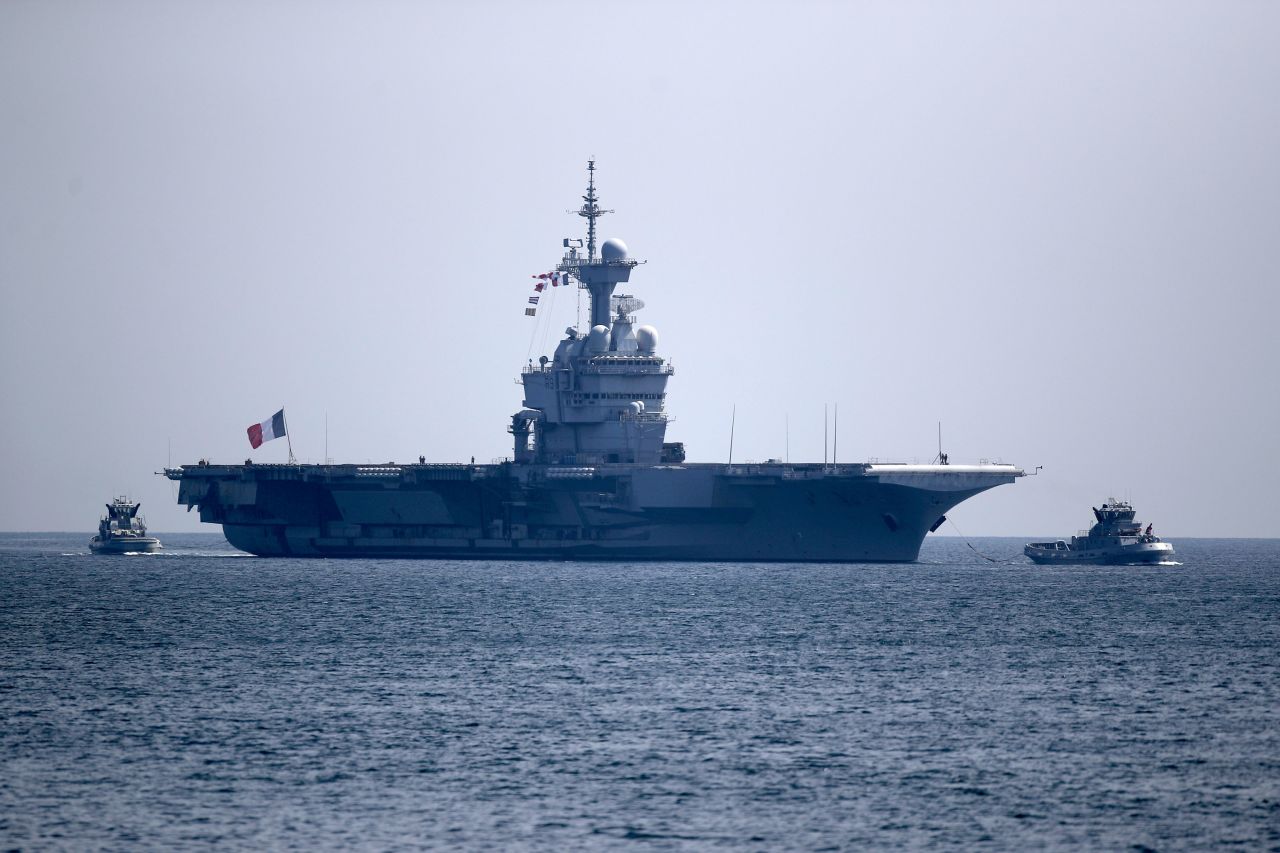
column 201, row 696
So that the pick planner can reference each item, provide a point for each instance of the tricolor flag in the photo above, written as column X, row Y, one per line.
column 531, row 312
column 272, row 427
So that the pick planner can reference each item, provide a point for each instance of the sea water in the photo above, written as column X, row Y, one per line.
column 198, row 696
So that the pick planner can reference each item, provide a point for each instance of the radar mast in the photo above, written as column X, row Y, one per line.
column 598, row 275
column 590, row 210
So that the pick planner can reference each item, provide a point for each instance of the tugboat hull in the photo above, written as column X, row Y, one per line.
column 133, row 545
column 1123, row 555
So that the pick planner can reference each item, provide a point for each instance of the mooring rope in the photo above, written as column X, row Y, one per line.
column 975, row 550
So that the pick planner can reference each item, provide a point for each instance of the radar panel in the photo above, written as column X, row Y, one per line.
column 625, row 304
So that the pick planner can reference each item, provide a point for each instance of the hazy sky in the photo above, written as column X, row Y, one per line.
column 1053, row 227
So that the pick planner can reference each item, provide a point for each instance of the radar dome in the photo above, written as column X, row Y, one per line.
column 598, row 340
column 613, row 249
column 647, row 339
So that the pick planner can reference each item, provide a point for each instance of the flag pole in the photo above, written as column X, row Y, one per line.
column 287, row 436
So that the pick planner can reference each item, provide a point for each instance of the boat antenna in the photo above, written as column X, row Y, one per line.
column 941, row 458
column 824, row 434
column 835, row 434
column 788, row 434
column 733, row 421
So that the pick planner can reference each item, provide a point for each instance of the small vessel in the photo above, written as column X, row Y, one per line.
column 123, row 531
column 1116, row 540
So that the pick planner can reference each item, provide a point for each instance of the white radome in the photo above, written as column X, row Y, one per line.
column 613, row 249
column 647, row 339
column 598, row 340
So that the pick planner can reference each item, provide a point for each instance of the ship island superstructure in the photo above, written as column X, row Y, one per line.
column 591, row 475
column 601, row 397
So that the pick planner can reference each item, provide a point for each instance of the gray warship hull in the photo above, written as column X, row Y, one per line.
column 699, row 512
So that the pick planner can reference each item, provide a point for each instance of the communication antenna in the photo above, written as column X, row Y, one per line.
column 733, row 420
column 590, row 210
column 835, row 434
column 824, row 434
column 941, row 458
column 594, row 273
column 788, row 433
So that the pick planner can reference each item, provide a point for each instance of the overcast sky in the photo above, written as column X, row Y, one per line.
column 1053, row 227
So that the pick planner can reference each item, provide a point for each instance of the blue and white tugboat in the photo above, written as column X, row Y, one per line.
column 1115, row 540
column 123, row 531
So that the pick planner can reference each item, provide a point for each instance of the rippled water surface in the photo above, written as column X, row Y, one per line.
column 199, row 696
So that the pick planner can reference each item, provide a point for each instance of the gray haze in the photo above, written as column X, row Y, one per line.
column 1053, row 227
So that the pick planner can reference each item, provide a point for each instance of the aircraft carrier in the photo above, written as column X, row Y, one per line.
column 591, row 475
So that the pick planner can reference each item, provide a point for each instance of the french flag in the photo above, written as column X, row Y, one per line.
column 272, row 427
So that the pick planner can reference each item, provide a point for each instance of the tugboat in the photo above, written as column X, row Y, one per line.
column 1115, row 540
column 123, row 531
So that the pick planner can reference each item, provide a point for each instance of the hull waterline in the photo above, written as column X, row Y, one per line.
column 769, row 513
